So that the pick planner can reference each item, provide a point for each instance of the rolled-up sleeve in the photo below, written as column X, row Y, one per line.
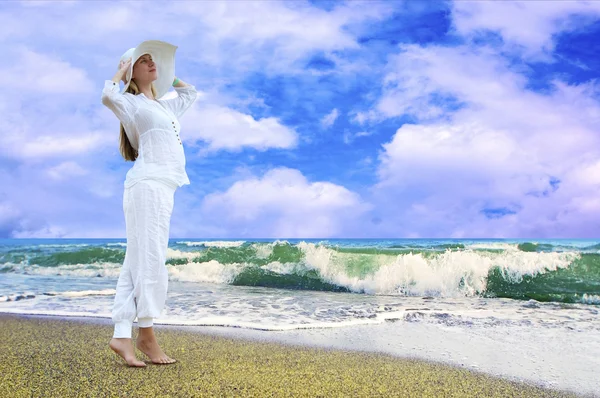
column 185, row 98
column 117, row 102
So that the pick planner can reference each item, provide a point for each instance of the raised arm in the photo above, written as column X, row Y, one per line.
column 180, row 83
column 114, row 100
column 120, row 75
column 186, row 95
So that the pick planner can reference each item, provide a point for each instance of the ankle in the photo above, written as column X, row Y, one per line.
column 120, row 341
column 146, row 338
column 146, row 333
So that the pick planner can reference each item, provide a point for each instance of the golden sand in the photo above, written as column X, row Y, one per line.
column 52, row 357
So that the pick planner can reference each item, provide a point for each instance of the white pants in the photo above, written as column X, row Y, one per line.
column 143, row 281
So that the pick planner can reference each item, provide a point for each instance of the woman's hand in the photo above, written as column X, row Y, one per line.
column 123, row 68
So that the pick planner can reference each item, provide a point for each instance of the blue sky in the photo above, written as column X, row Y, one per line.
column 314, row 119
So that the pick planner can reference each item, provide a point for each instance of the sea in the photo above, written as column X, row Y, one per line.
column 527, row 310
column 268, row 284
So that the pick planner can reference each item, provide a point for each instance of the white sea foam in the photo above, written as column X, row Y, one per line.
column 84, row 293
column 17, row 297
column 176, row 254
column 451, row 273
column 590, row 299
column 214, row 243
column 264, row 250
column 210, row 271
column 225, row 321
column 310, row 310
column 279, row 268
column 222, row 321
column 63, row 245
column 110, row 270
column 493, row 246
column 83, row 314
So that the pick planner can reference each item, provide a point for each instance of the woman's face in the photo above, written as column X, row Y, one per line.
column 144, row 69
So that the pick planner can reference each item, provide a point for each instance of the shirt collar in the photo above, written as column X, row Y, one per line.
column 148, row 98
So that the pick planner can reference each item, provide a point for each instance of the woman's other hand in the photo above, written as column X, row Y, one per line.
column 124, row 67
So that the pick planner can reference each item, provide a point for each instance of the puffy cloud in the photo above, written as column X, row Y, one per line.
column 527, row 27
column 248, row 33
column 491, row 157
column 486, row 156
column 48, row 145
column 51, row 74
column 45, row 122
column 283, row 203
column 224, row 128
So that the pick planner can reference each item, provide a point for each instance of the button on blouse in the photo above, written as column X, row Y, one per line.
column 152, row 127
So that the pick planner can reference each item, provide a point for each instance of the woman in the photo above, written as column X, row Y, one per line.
column 149, row 136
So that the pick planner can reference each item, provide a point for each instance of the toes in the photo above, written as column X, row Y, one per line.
column 165, row 361
column 136, row 363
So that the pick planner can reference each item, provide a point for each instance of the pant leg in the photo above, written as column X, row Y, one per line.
column 124, row 308
column 145, row 278
column 124, row 311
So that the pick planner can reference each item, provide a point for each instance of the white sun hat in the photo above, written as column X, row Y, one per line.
column 163, row 55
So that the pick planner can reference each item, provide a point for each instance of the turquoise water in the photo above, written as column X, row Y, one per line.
column 544, row 270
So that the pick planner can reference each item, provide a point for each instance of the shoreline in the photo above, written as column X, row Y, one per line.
column 513, row 353
column 272, row 362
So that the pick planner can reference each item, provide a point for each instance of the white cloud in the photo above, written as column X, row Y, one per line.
column 525, row 26
column 51, row 74
column 505, row 149
column 227, row 129
column 47, row 121
column 38, row 205
column 230, row 39
column 488, row 92
column 65, row 170
column 46, row 145
column 283, row 203
column 349, row 137
column 330, row 118
column 247, row 36
column 449, row 174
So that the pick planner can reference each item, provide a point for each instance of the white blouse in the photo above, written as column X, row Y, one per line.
column 152, row 127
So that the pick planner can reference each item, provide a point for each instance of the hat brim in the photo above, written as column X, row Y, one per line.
column 163, row 55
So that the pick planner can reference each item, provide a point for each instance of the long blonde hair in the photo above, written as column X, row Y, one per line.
column 127, row 151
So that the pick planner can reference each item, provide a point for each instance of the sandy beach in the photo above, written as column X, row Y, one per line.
column 60, row 357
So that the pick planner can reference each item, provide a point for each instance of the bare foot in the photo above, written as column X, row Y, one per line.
column 124, row 348
column 146, row 343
